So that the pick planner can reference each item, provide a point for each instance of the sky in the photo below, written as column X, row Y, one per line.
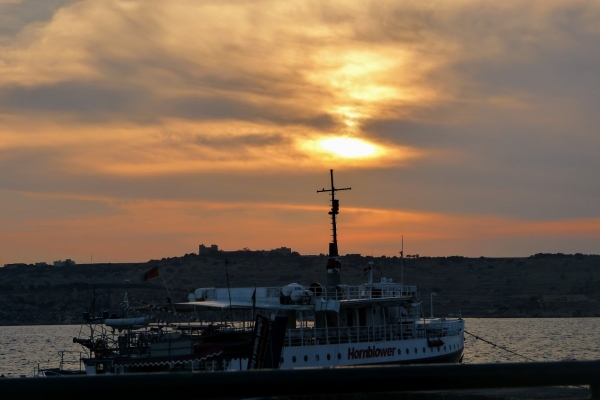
column 136, row 130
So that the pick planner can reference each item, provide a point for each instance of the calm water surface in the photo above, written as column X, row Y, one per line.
column 22, row 348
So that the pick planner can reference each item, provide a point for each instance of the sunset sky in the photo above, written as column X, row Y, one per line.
column 135, row 130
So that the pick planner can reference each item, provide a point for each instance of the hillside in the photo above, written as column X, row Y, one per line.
column 543, row 285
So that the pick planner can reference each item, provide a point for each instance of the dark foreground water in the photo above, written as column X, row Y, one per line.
column 22, row 348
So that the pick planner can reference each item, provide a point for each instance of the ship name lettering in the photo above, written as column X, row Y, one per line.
column 370, row 352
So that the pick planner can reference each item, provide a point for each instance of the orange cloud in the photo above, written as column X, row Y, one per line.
column 114, row 49
column 140, row 230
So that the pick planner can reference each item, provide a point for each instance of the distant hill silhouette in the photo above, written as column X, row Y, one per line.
column 542, row 285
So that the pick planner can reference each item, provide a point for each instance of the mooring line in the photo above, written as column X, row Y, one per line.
column 500, row 347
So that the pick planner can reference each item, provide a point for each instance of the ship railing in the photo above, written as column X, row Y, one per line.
column 379, row 333
column 70, row 362
column 268, row 295
column 440, row 329
column 373, row 292
column 271, row 295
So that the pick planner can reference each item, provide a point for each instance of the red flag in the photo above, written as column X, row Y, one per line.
column 152, row 274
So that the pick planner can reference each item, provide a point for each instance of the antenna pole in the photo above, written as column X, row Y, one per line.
column 402, row 263
column 335, row 207
column 229, row 292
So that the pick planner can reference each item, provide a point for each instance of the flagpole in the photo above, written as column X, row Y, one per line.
column 254, row 304
column 170, row 298
column 229, row 292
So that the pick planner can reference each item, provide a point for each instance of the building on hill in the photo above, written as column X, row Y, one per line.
column 284, row 251
column 66, row 263
column 205, row 250
column 14, row 265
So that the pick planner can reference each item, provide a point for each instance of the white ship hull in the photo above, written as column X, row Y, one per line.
column 392, row 352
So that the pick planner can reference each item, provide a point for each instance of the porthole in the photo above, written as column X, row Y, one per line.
column 416, row 350
column 294, row 359
column 407, row 351
column 339, row 356
column 399, row 352
column 438, row 349
column 305, row 358
column 317, row 357
column 423, row 349
column 328, row 357
column 444, row 347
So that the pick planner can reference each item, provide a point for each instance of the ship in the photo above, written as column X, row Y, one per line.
column 293, row 326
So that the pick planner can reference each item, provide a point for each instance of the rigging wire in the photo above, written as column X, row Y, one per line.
column 500, row 347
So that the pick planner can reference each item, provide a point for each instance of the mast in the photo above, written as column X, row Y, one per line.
column 334, row 265
column 335, row 207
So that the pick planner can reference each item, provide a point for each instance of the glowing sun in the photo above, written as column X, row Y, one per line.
column 348, row 147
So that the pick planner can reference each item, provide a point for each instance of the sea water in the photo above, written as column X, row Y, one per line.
column 531, row 339
column 24, row 348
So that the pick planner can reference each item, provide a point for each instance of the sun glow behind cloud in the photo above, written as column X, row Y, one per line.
column 243, row 87
column 350, row 147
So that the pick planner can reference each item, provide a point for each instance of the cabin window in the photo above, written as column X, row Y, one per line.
column 444, row 347
column 328, row 357
column 362, row 316
column 407, row 351
column 294, row 359
column 423, row 349
column 305, row 358
column 416, row 351
column 292, row 319
column 317, row 357
column 331, row 320
column 339, row 356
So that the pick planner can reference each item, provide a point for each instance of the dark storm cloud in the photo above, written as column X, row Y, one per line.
column 17, row 15
column 208, row 108
column 503, row 166
column 76, row 98
column 38, row 171
column 230, row 141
